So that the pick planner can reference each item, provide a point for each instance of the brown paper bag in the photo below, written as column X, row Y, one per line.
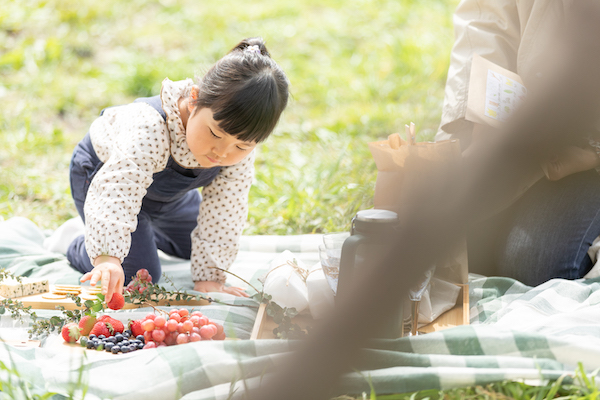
column 395, row 167
column 391, row 169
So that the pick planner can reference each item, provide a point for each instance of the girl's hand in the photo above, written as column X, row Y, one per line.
column 108, row 270
column 210, row 286
column 571, row 160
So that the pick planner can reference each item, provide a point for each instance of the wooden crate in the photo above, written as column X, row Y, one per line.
column 36, row 301
column 459, row 315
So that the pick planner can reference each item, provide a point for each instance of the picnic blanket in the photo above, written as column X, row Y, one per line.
column 517, row 332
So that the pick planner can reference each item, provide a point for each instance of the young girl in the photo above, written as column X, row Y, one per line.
column 134, row 176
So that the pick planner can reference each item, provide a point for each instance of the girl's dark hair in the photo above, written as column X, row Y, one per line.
column 246, row 91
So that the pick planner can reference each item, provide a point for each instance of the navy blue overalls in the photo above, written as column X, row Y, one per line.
column 168, row 215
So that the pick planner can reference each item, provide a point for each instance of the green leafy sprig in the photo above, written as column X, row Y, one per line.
column 44, row 326
column 17, row 310
column 150, row 293
column 283, row 317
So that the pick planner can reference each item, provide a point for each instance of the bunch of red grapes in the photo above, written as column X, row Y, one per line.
column 138, row 282
column 179, row 327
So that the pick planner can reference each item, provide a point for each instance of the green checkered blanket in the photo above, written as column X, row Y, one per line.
column 516, row 332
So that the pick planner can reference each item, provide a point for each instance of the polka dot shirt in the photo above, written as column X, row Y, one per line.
column 134, row 142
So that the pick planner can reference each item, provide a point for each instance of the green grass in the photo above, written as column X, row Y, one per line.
column 576, row 386
column 359, row 71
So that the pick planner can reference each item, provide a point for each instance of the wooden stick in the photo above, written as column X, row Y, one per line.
column 407, row 130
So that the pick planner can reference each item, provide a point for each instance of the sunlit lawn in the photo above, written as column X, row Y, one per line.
column 359, row 71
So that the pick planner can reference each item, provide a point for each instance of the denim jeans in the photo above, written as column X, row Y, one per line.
column 546, row 234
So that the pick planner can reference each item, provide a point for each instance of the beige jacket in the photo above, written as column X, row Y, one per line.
column 510, row 33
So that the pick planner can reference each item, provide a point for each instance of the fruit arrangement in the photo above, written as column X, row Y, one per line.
column 178, row 326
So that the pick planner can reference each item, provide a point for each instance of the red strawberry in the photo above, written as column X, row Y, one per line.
column 86, row 324
column 136, row 327
column 102, row 328
column 117, row 302
column 71, row 332
column 115, row 323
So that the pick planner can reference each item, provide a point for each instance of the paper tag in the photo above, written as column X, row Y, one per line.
column 494, row 93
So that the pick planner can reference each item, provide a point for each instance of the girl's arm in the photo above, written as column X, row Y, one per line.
column 223, row 213
column 133, row 143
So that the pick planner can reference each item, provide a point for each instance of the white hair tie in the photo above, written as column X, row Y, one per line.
column 253, row 48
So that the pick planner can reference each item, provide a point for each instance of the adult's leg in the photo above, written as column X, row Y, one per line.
column 482, row 239
column 550, row 230
column 174, row 224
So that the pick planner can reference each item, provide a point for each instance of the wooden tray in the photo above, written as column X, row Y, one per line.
column 459, row 315
column 36, row 301
column 22, row 343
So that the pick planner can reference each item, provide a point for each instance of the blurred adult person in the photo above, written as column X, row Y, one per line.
column 546, row 229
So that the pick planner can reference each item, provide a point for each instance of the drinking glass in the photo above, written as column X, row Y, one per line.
column 335, row 240
column 331, row 266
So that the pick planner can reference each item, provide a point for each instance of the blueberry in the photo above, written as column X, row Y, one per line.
column 108, row 346
column 125, row 349
column 127, row 331
column 140, row 338
column 125, row 343
column 126, row 335
column 111, row 339
column 115, row 349
column 90, row 344
column 140, row 346
column 101, row 337
column 92, row 336
column 119, row 337
column 132, row 347
column 83, row 341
